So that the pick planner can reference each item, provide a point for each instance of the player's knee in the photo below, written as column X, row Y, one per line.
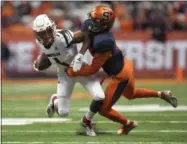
column 129, row 95
column 99, row 96
column 103, row 112
column 96, row 105
column 63, row 113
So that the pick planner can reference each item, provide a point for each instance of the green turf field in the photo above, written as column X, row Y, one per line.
column 28, row 100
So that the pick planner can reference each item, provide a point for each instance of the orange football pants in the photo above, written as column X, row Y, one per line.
column 122, row 84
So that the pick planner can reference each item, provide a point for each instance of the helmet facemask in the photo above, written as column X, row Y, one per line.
column 46, row 35
column 96, row 24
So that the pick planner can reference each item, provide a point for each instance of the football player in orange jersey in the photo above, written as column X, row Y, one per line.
column 96, row 36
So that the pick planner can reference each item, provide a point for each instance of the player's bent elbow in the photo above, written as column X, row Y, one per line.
column 41, row 68
column 42, row 62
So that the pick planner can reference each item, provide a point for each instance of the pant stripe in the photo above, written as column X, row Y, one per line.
column 119, row 90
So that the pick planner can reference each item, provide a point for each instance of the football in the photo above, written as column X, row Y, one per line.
column 42, row 62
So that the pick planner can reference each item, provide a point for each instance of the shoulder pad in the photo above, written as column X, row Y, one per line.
column 68, row 36
column 103, row 42
column 85, row 25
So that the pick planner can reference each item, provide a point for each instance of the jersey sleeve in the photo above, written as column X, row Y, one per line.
column 103, row 43
column 68, row 36
column 84, row 26
column 98, row 61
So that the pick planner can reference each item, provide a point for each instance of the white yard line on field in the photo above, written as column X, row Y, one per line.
column 122, row 108
column 94, row 142
column 143, row 108
column 177, row 122
column 58, row 131
column 73, row 113
column 26, row 121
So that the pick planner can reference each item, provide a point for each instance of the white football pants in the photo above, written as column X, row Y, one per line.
column 65, row 88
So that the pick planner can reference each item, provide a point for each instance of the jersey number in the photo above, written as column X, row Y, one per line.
column 59, row 62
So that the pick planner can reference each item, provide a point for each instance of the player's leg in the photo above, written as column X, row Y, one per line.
column 112, row 94
column 126, row 128
column 50, row 109
column 94, row 88
column 113, row 91
column 64, row 91
column 148, row 93
column 132, row 93
column 60, row 102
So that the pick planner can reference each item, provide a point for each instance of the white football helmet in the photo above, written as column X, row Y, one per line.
column 44, row 29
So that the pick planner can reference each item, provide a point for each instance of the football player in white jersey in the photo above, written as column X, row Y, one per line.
column 57, row 49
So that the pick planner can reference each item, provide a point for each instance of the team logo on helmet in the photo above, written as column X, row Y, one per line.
column 102, row 18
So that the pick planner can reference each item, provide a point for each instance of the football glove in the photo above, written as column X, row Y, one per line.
column 76, row 64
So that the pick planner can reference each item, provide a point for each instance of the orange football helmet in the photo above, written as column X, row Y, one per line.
column 102, row 18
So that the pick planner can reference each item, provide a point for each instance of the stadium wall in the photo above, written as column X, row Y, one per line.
column 152, row 59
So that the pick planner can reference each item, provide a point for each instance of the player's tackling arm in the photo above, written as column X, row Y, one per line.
column 78, row 37
column 98, row 61
column 82, row 36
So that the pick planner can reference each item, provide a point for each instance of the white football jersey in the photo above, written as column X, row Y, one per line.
column 61, row 51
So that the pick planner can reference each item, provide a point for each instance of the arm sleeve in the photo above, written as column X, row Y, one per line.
column 68, row 36
column 98, row 61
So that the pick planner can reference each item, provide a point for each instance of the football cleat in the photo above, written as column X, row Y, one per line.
column 125, row 129
column 86, row 124
column 50, row 107
column 168, row 97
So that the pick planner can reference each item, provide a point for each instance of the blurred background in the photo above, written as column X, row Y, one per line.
column 152, row 34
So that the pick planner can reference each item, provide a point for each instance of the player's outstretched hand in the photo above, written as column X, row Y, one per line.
column 76, row 64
